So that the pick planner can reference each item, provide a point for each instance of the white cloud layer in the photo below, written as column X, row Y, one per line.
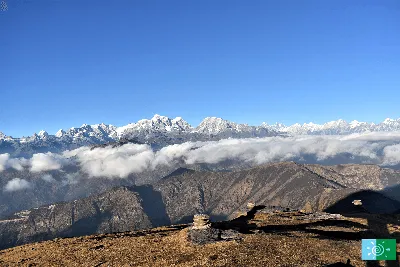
column 375, row 148
column 108, row 162
column 17, row 184
column 48, row 178
column 391, row 155
column 7, row 162
column 47, row 162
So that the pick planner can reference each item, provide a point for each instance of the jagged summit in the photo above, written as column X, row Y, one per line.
column 162, row 130
column 217, row 125
column 214, row 125
column 60, row 133
column 338, row 127
column 156, row 124
column 43, row 134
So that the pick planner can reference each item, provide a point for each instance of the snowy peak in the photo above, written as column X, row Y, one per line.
column 218, row 126
column 389, row 125
column 355, row 124
column 338, row 123
column 156, row 124
column 338, row 127
column 277, row 126
column 88, row 134
column 162, row 130
column 160, row 119
column 391, row 122
column 180, row 124
column 60, row 133
column 169, row 125
column 388, row 121
column 43, row 134
column 213, row 125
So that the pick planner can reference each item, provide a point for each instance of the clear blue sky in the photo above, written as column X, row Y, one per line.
column 65, row 63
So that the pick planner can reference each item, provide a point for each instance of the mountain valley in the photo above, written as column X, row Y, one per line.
column 175, row 198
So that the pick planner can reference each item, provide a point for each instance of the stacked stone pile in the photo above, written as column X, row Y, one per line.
column 201, row 221
column 202, row 231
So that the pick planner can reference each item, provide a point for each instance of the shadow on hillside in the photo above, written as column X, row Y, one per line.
column 379, row 211
column 376, row 228
column 82, row 227
column 321, row 234
column 153, row 205
column 185, row 219
column 241, row 224
column 86, row 226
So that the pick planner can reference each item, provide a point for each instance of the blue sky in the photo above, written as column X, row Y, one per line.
column 65, row 63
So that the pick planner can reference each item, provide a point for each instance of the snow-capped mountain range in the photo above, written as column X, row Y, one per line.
column 339, row 127
column 161, row 130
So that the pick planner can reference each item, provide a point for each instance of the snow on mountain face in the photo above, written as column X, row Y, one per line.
column 388, row 125
column 61, row 141
column 213, row 125
column 156, row 124
column 60, row 133
column 181, row 124
column 43, row 134
column 100, row 132
column 339, row 127
column 162, row 131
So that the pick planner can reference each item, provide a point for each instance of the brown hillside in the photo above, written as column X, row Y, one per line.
column 272, row 239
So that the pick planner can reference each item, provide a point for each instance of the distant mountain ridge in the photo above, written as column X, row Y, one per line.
column 339, row 127
column 161, row 130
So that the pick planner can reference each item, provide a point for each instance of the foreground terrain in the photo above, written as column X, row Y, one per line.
column 268, row 238
column 178, row 196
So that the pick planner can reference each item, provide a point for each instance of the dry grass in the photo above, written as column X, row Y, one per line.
column 168, row 246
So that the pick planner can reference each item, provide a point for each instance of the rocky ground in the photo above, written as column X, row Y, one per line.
column 260, row 238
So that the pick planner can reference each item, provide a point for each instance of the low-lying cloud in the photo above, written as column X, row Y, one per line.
column 391, row 155
column 119, row 161
column 15, row 163
column 47, row 162
column 48, row 178
column 370, row 148
column 17, row 184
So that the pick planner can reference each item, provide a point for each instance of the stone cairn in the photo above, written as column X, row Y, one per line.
column 202, row 232
column 201, row 221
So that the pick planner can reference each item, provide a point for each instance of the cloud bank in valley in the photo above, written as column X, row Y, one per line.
column 48, row 178
column 7, row 162
column 17, row 184
column 47, row 162
column 372, row 148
